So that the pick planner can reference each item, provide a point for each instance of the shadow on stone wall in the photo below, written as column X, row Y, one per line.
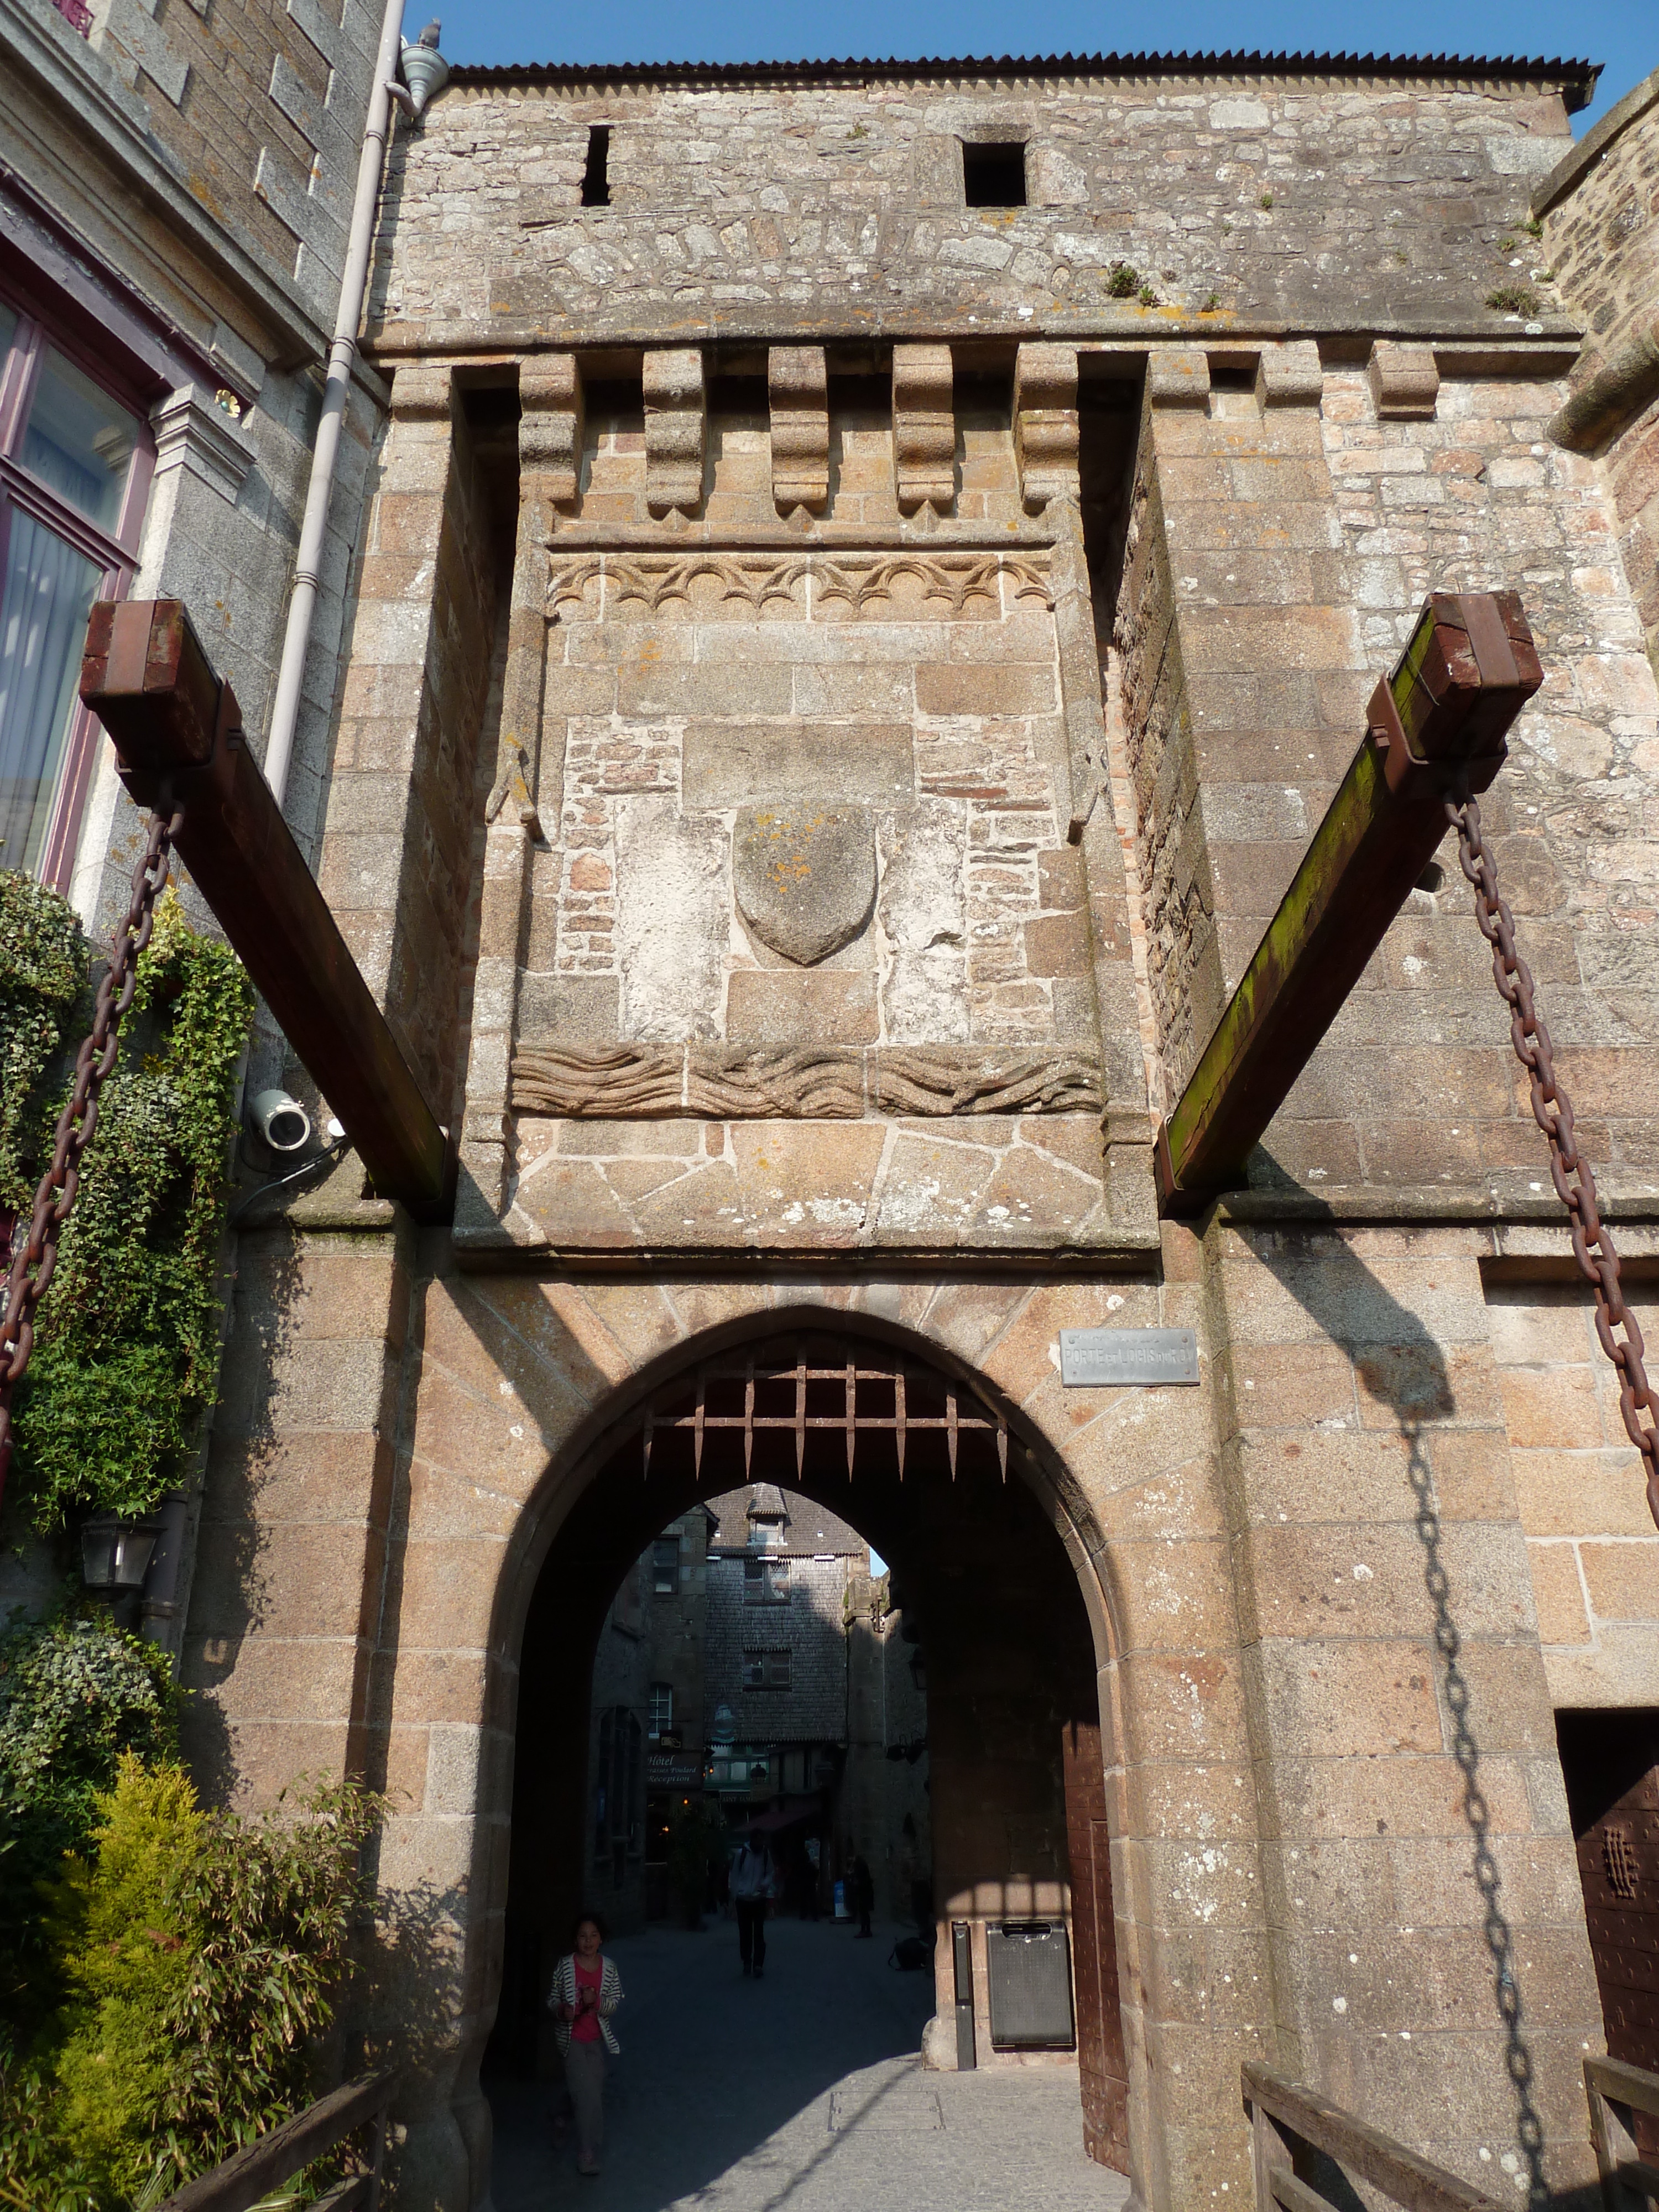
column 230, row 1596
column 1399, row 1365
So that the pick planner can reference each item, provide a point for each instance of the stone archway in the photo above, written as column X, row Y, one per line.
column 524, row 1385
column 925, row 1462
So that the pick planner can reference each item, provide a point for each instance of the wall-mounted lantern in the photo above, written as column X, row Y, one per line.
column 115, row 1554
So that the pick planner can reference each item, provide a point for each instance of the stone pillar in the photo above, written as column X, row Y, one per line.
column 550, row 473
column 1244, row 670
column 1398, row 1720
column 398, row 848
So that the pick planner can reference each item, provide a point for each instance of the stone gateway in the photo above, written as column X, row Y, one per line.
column 848, row 636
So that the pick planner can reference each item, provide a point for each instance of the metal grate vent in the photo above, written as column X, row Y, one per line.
column 1619, row 1860
column 1031, row 1970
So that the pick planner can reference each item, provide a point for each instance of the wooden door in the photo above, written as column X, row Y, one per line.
column 1101, row 2064
column 1610, row 1763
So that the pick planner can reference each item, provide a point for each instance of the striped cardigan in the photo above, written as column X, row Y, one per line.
column 563, row 1992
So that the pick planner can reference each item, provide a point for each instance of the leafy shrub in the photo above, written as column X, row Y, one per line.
column 35, row 2171
column 128, row 1944
column 128, row 1344
column 201, row 1957
column 75, row 1694
column 1122, row 281
column 276, row 1900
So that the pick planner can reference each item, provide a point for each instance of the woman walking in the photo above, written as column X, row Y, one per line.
column 586, row 1989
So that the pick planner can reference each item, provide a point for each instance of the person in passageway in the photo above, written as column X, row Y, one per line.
column 754, row 1882
column 864, row 1895
column 586, row 1989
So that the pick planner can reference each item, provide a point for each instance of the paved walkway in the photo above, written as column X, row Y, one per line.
column 801, row 2093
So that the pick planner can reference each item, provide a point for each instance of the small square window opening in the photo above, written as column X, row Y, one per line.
column 994, row 176
column 596, row 176
column 765, row 1582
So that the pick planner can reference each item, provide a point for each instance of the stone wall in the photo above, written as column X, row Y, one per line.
column 287, row 1606
column 621, row 1689
column 679, row 1631
column 840, row 691
column 1389, row 1649
column 1302, row 1603
column 1280, row 555
column 883, row 1808
column 400, row 857
column 260, row 111
column 1600, row 211
column 1591, row 1540
column 761, row 201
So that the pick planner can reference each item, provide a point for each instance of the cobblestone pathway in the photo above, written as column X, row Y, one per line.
column 799, row 2093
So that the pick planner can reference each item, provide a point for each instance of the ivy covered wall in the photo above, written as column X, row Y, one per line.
column 127, row 1335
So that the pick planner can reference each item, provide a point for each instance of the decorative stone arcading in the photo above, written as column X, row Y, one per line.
column 798, row 384
column 1046, row 424
column 676, row 425
column 629, row 1082
column 1404, row 380
column 550, row 428
column 641, row 584
column 924, row 426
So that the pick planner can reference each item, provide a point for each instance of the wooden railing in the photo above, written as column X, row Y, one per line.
column 1293, row 2126
column 261, row 2166
column 1617, row 2093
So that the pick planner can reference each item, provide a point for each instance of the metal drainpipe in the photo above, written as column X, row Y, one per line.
column 342, row 354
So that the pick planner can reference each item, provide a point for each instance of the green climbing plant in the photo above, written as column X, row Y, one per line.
column 42, row 971
column 127, row 1343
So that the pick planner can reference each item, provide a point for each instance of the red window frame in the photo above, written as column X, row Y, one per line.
column 117, row 550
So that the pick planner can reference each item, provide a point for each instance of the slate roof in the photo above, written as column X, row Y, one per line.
column 808, row 1529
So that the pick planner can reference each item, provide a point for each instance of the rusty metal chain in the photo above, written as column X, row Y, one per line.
column 1575, row 1183
column 35, row 1257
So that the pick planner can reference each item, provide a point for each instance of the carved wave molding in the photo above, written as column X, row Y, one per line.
column 627, row 1082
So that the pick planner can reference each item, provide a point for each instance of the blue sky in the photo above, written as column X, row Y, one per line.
column 1624, row 34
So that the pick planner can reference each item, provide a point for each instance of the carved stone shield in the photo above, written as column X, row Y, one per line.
column 805, row 876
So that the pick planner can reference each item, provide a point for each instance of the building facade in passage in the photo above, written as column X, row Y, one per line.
column 175, row 196
column 870, row 577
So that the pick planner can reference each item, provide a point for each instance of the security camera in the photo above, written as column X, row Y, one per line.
column 280, row 1121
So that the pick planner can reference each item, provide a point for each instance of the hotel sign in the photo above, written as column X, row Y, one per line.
column 673, row 1769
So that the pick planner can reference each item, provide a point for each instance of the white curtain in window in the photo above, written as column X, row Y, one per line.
column 48, row 590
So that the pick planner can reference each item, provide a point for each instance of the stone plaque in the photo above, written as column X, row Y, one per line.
column 1097, row 1358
